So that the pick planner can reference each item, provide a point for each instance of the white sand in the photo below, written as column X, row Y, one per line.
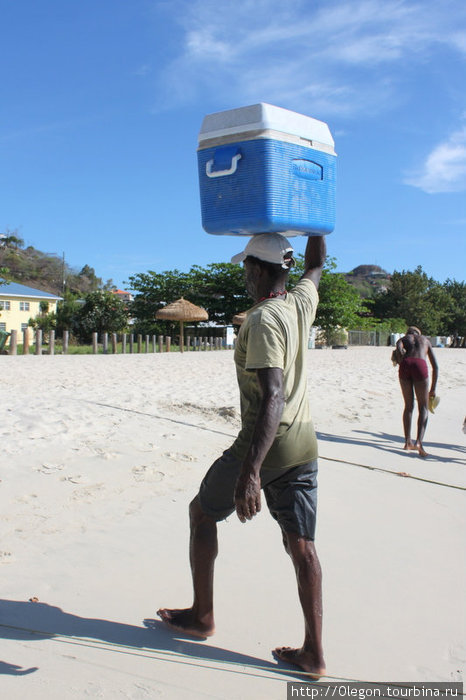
column 100, row 458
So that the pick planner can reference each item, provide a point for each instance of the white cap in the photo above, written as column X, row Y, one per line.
column 270, row 247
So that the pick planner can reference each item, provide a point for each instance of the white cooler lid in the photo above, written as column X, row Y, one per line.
column 262, row 117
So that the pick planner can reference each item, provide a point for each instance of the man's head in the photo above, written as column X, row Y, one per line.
column 270, row 248
column 412, row 330
column 267, row 258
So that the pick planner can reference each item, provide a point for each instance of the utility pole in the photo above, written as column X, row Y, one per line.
column 63, row 270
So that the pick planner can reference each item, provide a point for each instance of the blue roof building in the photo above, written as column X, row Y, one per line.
column 19, row 303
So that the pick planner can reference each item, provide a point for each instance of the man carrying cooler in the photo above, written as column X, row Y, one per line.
column 276, row 448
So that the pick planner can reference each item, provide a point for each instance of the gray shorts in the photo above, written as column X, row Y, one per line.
column 291, row 494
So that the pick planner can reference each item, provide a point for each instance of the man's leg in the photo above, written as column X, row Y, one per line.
column 422, row 397
column 309, row 577
column 203, row 548
column 408, row 396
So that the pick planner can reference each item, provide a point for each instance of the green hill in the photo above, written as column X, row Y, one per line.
column 368, row 279
column 45, row 271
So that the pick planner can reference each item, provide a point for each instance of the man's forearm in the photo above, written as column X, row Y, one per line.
column 265, row 430
column 314, row 258
column 315, row 253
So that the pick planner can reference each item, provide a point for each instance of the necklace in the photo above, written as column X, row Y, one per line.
column 272, row 295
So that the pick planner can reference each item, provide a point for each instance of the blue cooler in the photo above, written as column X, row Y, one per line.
column 263, row 169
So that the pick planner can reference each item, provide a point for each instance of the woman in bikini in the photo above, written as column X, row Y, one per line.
column 411, row 353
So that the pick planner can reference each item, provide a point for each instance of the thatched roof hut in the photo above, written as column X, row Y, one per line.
column 182, row 310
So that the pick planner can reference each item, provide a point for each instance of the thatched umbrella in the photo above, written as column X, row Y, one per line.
column 182, row 310
column 238, row 319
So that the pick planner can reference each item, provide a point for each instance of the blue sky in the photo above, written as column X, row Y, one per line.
column 102, row 103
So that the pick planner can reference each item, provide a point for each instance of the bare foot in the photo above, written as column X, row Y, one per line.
column 420, row 449
column 409, row 445
column 185, row 621
column 301, row 658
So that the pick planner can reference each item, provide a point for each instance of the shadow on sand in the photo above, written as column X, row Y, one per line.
column 392, row 443
column 29, row 621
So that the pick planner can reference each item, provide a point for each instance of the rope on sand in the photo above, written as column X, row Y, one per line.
column 329, row 459
column 390, row 471
column 152, row 653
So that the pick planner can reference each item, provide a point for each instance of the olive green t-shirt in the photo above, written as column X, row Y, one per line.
column 275, row 334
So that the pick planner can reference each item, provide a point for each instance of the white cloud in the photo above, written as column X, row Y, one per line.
column 287, row 50
column 444, row 169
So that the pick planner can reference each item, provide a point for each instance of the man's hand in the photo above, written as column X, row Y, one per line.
column 248, row 497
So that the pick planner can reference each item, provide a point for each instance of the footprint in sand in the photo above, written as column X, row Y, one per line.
column 147, row 473
column 88, row 494
column 5, row 557
column 179, row 457
column 104, row 454
column 26, row 498
column 149, row 448
column 76, row 479
column 49, row 468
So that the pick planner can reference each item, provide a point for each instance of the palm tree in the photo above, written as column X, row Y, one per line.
column 9, row 239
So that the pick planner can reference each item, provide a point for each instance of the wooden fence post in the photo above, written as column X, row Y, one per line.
column 38, row 350
column 52, row 343
column 123, row 343
column 146, row 344
column 154, row 343
column 139, row 342
column 168, row 342
column 114, row 342
column 26, row 341
column 94, row 343
column 160, row 343
column 105, row 343
column 13, row 347
column 131, row 343
column 66, row 340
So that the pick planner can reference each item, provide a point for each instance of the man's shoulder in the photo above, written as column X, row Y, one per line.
column 305, row 290
column 304, row 285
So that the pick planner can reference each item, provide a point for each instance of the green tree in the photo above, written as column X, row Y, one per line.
column 455, row 322
column 416, row 298
column 101, row 312
column 219, row 289
column 10, row 239
column 44, row 322
column 67, row 312
column 154, row 290
column 339, row 303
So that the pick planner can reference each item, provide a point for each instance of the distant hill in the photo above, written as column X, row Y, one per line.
column 45, row 271
column 368, row 279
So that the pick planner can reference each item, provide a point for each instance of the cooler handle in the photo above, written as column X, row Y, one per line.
column 221, row 173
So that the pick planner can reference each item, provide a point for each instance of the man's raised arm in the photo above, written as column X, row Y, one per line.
column 314, row 258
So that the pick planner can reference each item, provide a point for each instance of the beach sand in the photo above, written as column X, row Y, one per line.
column 100, row 457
